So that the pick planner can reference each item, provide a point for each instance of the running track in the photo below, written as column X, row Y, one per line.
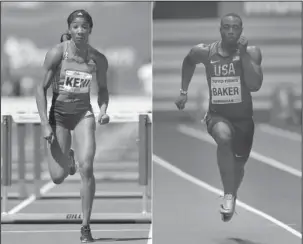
column 116, row 138
column 186, row 188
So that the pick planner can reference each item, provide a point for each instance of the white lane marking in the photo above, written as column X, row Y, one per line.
column 212, row 189
column 257, row 156
column 66, row 231
column 44, row 189
column 280, row 132
column 150, row 236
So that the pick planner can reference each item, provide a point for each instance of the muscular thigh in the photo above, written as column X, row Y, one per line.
column 220, row 128
column 244, row 133
column 241, row 133
column 84, row 134
column 61, row 145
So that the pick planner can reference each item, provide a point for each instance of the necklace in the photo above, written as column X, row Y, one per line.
column 77, row 53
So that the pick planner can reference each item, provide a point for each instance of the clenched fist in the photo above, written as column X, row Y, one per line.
column 181, row 101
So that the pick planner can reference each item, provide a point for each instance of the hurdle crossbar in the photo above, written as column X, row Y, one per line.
column 99, row 176
column 34, row 118
column 75, row 218
column 143, row 217
column 76, row 195
column 104, row 166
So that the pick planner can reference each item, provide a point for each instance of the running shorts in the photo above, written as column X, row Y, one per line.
column 68, row 121
column 242, row 133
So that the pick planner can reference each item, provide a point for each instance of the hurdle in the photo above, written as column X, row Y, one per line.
column 144, row 125
column 22, row 120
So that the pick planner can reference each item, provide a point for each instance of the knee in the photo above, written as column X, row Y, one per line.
column 58, row 179
column 86, row 169
column 241, row 161
column 58, row 175
column 222, row 134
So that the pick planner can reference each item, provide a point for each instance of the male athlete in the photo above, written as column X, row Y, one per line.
column 233, row 71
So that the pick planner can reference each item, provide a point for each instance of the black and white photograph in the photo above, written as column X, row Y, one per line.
column 76, row 122
column 227, row 122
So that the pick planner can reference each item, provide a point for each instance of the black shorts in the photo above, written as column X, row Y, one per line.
column 242, row 130
column 68, row 121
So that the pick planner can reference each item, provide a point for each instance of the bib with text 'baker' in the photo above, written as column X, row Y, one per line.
column 226, row 90
column 76, row 82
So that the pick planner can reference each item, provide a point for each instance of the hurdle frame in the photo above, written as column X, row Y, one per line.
column 6, row 157
column 144, row 122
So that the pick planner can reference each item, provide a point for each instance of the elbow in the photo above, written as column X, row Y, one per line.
column 40, row 91
column 255, row 86
column 254, row 81
column 254, row 89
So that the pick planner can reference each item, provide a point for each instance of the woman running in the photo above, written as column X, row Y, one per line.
column 68, row 68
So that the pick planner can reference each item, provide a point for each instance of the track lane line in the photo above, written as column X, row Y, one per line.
column 198, row 134
column 192, row 179
column 150, row 239
column 43, row 190
column 272, row 130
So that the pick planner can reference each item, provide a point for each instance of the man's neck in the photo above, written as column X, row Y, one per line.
column 226, row 49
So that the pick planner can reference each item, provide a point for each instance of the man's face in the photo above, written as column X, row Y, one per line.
column 231, row 29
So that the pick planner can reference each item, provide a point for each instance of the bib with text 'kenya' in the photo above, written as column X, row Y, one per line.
column 76, row 82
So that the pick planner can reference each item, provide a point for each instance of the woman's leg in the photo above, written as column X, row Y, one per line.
column 86, row 147
column 59, row 160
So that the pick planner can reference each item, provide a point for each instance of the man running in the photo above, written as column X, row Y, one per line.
column 233, row 71
column 68, row 68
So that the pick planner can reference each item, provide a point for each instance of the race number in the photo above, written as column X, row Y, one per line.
column 77, row 82
column 226, row 90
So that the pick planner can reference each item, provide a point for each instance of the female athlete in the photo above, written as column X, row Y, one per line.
column 68, row 68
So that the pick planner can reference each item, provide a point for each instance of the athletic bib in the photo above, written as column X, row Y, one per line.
column 76, row 82
column 226, row 90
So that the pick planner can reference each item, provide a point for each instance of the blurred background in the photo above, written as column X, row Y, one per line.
column 273, row 26
column 122, row 31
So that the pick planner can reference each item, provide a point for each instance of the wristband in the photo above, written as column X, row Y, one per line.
column 182, row 92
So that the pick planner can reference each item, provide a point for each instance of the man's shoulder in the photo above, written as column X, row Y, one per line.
column 201, row 47
column 201, row 52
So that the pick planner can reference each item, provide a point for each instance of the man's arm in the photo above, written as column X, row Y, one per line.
column 52, row 59
column 101, row 76
column 251, row 62
column 198, row 54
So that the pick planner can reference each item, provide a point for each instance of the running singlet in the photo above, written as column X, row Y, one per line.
column 71, row 84
column 229, row 95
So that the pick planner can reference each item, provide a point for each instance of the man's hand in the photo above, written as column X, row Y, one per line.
column 103, row 118
column 242, row 44
column 181, row 101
